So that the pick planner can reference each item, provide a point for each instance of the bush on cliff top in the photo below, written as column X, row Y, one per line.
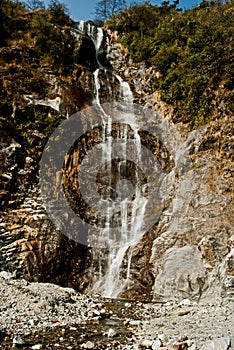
column 193, row 51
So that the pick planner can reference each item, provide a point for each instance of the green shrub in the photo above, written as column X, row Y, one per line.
column 192, row 50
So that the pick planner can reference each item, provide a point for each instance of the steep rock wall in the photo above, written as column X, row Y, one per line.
column 188, row 252
column 30, row 246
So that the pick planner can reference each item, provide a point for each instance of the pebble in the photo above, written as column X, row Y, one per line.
column 111, row 333
column 185, row 302
column 88, row 345
column 127, row 305
column 103, row 311
column 183, row 312
column 180, row 346
column 156, row 344
column 18, row 341
column 37, row 347
column 6, row 275
column 147, row 344
column 134, row 322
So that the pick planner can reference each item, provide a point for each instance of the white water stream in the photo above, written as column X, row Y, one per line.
column 112, row 278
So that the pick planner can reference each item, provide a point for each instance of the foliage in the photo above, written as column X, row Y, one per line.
column 31, row 40
column 57, row 47
column 59, row 13
column 34, row 4
column 10, row 22
column 192, row 50
column 108, row 8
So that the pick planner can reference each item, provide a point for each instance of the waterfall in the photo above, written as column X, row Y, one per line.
column 125, row 90
column 128, row 203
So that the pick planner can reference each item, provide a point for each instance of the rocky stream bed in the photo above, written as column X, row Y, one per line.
column 47, row 316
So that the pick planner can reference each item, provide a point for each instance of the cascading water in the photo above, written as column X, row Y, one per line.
column 131, row 203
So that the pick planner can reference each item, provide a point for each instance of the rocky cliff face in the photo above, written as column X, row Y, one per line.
column 30, row 245
column 188, row 253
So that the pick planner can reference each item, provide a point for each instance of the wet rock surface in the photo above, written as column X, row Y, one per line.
column 46, row 316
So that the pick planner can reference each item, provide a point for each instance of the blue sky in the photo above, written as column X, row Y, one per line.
column 84, row 9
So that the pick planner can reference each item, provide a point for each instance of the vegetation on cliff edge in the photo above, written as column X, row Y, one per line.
column 192, row 51
column 32, row 44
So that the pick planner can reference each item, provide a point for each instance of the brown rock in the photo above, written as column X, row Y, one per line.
column 184, row 312
column 180, row 346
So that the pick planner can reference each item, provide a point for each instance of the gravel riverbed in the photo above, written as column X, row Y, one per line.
column 47, row 316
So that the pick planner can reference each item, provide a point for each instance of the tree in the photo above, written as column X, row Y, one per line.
column 59, row 13
column 34, row 4
column 107, row 8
